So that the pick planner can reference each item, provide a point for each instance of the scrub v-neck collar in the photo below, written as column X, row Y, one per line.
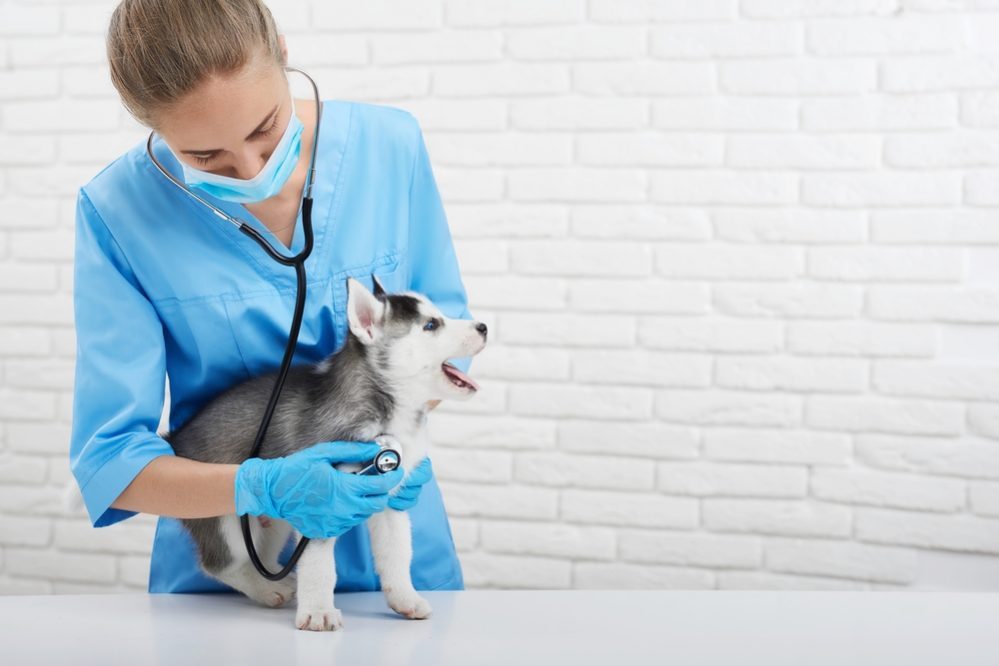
column 333, row 133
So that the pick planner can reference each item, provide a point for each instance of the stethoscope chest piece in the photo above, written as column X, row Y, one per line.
column 386, row 460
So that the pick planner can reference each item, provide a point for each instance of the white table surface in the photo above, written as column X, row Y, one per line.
column 512, row 627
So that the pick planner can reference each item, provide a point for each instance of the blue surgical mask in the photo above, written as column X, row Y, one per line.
column 267, row 183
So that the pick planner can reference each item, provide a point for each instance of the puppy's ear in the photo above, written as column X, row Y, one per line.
column 365, row 313
column 379, row 291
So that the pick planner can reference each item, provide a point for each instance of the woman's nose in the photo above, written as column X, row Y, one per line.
column 250, row 165
column 251, row 161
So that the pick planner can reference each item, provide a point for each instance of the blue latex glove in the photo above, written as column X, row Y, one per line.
column 306, row 490
column 411, row 487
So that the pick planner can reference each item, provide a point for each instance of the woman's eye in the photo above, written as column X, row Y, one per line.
column 270, row 129
column 265, row 132
column 430, row 325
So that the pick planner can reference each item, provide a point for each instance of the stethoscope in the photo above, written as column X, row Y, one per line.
column 387, row 459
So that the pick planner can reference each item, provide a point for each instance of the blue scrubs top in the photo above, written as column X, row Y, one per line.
column 165, row 288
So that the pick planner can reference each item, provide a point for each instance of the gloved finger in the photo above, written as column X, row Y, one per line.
column 374, row 484
column 401, row 506
column 407, row 493
column 343, row 451
column 358, row 518
column 374, row 503
column 363, row 485
column 420, row 474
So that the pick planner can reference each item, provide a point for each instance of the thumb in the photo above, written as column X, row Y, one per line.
column 343, row 451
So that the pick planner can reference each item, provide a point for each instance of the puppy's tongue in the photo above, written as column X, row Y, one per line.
column 458, row 374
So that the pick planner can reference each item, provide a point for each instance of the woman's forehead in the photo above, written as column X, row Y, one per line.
column 224, row 108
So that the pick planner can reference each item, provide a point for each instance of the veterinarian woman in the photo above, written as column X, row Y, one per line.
column 163, row 285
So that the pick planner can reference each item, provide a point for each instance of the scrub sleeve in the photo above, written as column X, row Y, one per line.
column 120, row 371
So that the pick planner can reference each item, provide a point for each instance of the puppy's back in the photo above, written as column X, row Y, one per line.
column 224, row 430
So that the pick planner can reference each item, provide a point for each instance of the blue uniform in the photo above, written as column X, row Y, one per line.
column 163, row 287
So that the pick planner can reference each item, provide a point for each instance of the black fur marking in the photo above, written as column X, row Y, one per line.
column 404, row 308
column 212, row 549
column 379, row 292
column 421, row 416
column 355, row 373
column 382, row 359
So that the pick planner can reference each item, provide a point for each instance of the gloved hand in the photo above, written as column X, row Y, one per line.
column 411, row 487
column 306, row 490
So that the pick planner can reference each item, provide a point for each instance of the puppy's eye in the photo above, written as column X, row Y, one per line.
column 431, row 325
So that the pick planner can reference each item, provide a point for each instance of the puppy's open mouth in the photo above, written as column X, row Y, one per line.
column 458, row 378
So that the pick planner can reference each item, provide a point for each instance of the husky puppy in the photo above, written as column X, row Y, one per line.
column 393, row 362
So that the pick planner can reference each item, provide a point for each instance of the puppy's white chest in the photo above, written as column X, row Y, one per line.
column 413, row 446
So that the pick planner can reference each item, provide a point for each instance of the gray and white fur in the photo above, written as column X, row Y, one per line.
column 380, row 381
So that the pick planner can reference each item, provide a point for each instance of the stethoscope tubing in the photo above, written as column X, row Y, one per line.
column 298, row 261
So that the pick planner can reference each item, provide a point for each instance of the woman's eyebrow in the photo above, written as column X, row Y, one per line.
column 250, row 136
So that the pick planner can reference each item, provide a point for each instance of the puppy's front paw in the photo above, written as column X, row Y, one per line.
column 323, row 619
column 410, row 605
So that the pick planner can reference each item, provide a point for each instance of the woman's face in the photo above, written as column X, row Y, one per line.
column 229, row 125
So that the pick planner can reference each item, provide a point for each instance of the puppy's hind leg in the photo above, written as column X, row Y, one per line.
column 223, row 556
column 392, row 547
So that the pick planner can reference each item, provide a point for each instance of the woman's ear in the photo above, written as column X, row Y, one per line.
column 284, row 50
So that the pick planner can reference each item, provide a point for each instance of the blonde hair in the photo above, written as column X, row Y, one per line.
column 159, row 50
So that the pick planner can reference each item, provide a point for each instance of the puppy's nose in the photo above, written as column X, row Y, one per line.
column 481, row 328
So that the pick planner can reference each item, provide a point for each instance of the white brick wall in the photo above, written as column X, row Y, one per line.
column 741, row 259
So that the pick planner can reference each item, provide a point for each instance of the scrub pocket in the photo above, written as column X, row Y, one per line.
column 259, row 322
column 200, row 350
